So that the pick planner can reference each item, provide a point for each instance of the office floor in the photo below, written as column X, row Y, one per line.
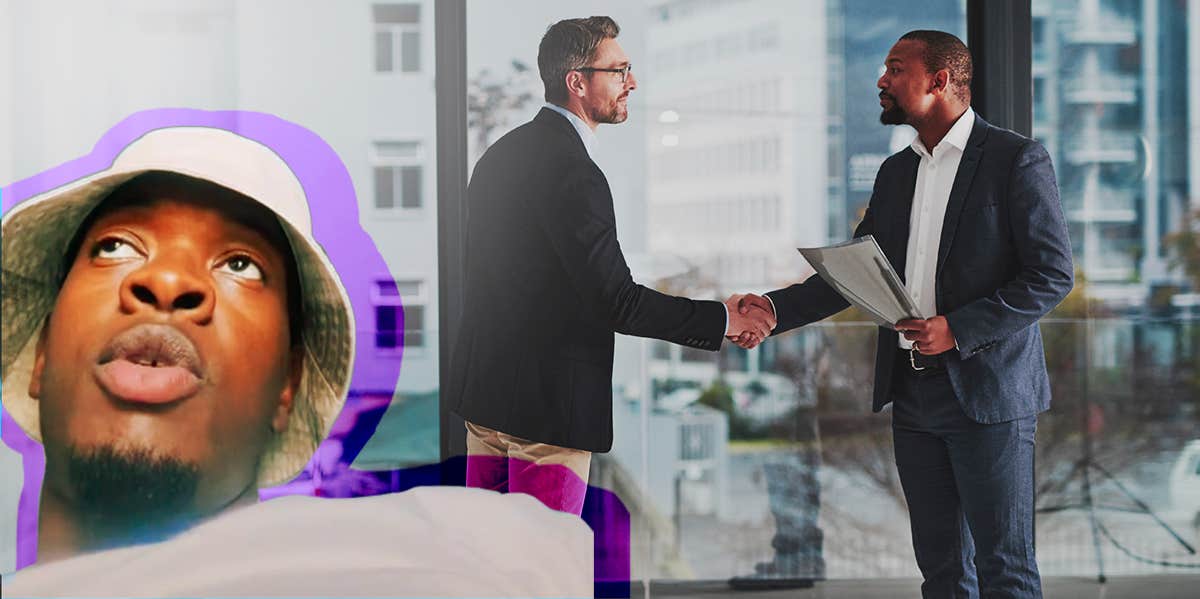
column 1164, row 586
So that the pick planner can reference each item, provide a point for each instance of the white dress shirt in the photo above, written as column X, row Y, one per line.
column 589, row 143
column 585, row 133
column 935, row 177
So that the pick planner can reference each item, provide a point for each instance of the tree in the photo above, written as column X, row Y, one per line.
column 1184, row 247
column 491, row 100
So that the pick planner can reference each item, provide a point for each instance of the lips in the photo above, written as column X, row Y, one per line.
column 150, row 364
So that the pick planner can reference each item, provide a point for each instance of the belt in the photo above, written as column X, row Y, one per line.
column 919, row 364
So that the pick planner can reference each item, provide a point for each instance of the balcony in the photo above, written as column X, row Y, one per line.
column 1109, row 265
column 1104, row 89
column 1108, row 146
column 1105, row 205
column 1103, row 29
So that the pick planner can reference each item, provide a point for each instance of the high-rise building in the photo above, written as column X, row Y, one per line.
column 1110, row 104
column 737, row 147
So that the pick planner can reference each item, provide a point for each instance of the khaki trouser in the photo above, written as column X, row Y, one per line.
column 501, row 462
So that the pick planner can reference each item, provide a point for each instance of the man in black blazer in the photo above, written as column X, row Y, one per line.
column 976, row 229
column 547, row 284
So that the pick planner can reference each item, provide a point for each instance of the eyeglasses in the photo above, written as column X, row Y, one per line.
column 624, row 71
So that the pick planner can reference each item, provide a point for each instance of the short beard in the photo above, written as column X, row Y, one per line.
column 130, row 496
column 614, row 116
column 893, row 116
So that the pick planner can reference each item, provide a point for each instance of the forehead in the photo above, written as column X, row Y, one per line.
column 907, row 52
column 209, row 209
column 610, row 54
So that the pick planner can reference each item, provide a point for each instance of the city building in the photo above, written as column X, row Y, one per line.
column 1110, row 104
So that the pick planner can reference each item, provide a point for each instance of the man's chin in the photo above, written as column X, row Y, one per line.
column 617, row 116
column 128, row 494
column 892, row 116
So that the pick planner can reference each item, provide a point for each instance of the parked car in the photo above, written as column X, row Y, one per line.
column 1184, row 484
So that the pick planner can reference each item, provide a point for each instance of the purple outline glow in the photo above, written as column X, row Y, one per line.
column 336, row 227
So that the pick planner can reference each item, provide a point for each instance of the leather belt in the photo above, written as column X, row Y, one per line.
column 919, row 364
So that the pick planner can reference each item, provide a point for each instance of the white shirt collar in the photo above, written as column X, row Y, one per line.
column 957, row 136
column 585, row 133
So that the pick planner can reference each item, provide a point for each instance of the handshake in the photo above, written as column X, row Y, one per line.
column 751, row 319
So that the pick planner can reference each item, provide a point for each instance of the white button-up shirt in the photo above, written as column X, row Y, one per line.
column 585, row 133
column 935, row 177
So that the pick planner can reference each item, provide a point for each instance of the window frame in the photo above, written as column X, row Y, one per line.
column 398, row 211
column 396, row 31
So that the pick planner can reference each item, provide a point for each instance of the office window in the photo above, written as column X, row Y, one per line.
column 397, row 38
column 399, row 314
column 398, row 173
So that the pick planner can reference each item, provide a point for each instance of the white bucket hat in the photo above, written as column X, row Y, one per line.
column 35, row 234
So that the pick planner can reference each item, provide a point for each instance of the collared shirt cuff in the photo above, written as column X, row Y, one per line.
column 726, row 318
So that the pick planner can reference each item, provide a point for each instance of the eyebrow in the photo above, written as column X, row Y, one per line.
column 893, row 60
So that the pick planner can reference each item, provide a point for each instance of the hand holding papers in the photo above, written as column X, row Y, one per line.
column 858, row 270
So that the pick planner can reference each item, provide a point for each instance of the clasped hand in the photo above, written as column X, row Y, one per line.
column 751, row 319
column 930, row 336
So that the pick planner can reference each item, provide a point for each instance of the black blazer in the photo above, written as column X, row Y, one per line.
column 1004, row 261
column 546, row 287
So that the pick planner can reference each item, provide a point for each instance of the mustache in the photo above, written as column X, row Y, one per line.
column 154, row 343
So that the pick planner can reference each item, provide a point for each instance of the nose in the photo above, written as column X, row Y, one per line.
column 631, row 81
column 881, row 83
column 171, row 285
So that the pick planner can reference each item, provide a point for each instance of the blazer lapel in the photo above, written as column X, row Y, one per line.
column 895, row 246
column 962, row 183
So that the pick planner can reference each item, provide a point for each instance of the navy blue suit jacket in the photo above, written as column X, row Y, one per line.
column 1004, row 261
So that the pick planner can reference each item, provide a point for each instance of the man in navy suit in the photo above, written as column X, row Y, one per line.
column 969, row 215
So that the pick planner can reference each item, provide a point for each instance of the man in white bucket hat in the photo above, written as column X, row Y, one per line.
column 173, row 335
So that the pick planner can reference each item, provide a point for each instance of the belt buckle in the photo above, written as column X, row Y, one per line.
column 912, row 359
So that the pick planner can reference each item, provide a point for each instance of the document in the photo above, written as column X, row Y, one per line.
column 858, row 270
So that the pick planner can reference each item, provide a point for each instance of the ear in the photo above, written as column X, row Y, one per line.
column 287, row 397
column 941, row 81
column 575, row 84
column 39, row 362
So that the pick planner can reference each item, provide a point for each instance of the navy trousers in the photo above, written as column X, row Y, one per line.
column 969, row 488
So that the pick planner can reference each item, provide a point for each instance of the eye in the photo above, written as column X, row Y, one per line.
column 113, row 248
column 242, row 266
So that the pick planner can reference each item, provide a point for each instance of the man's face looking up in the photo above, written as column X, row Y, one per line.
column 167, row 363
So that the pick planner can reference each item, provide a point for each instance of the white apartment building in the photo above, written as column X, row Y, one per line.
column 737, row 146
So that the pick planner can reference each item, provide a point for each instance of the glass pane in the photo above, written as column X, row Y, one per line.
column 397, row 149
column 414, row 325
column 383, row 52
column 385, row 326
column 1112, row 108
column 410, row 51
column 397, row 14
column 385, row 187
column 410, row 184
column 387, row 288
column 409, row 288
